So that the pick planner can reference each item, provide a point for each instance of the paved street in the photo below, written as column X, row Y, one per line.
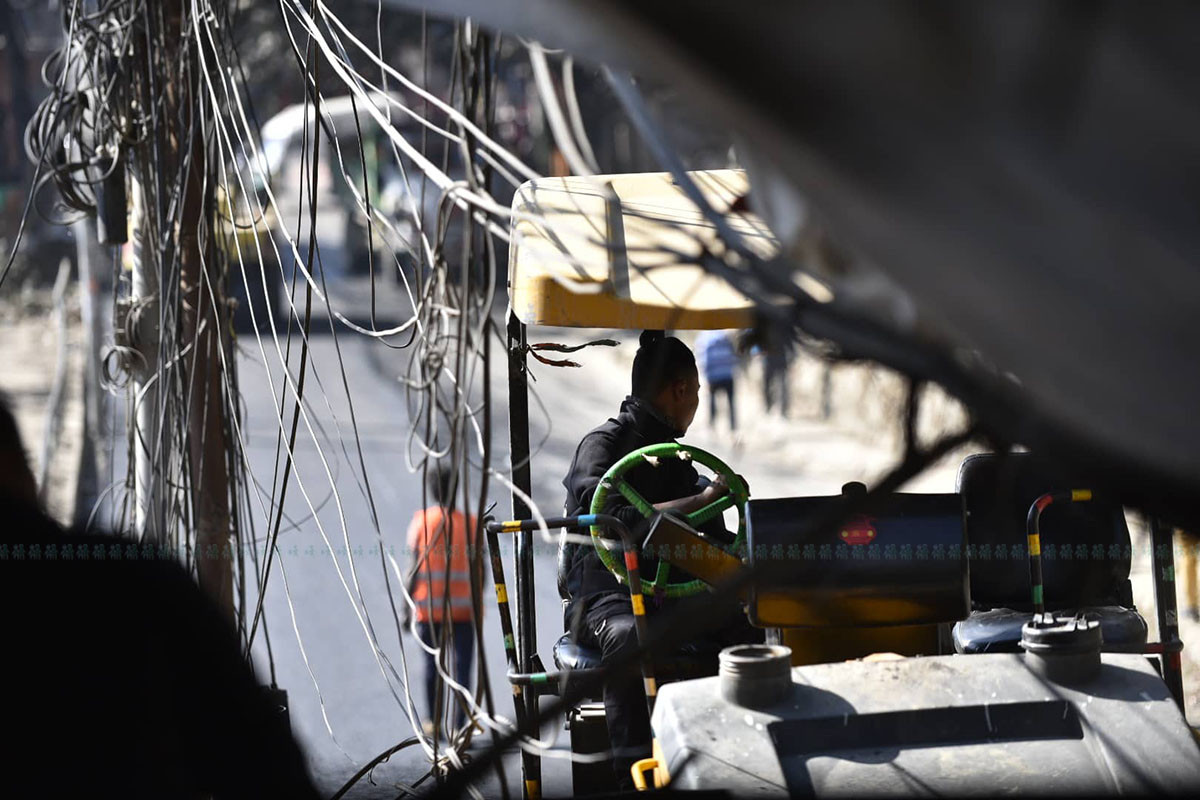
column 364, row 715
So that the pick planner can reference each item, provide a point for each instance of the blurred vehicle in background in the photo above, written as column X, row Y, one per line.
column 357, row 174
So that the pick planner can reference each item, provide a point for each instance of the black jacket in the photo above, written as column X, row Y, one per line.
column 582, row 576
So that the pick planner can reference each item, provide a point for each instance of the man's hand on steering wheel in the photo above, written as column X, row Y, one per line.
column 726, row 490
column 716, row 489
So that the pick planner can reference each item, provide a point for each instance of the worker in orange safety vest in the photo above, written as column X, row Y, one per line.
column 441, row 543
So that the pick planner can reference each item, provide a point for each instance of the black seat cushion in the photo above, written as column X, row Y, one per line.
column 689, row 661
column 999, row 630
column 1085, row 546
column 569, row 655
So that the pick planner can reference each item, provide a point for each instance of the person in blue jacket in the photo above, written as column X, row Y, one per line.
column 718, row 360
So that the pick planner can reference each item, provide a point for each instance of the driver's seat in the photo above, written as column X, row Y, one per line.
column 568, row 655
column 1085, row 555
column 689, row 661
column 586, row 721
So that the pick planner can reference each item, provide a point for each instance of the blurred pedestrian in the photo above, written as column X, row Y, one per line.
column 777, row 356
column 718, row 363
column 775, row 349
column 441, row 542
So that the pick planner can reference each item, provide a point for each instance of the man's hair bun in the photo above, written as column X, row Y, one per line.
column 660, row 360
column 650, row 337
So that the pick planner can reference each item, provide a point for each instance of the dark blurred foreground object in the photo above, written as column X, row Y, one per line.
column 120, row 678
column 1026, row 176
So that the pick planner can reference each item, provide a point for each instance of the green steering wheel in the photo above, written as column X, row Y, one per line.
column 614, row 479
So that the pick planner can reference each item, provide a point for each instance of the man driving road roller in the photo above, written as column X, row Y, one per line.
column 660, row 408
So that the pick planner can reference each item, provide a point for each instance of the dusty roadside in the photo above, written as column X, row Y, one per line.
column 1143, row 596
column 36, row 351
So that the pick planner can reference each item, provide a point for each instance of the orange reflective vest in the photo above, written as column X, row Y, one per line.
column 443, row 561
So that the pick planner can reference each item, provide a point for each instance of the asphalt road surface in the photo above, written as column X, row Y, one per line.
column 313, row 611
column 327, row 603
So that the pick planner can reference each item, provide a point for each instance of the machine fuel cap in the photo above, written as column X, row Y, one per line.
column 755, row 675
column 1062, row 649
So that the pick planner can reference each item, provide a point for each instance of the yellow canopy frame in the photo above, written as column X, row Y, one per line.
column 621, row 251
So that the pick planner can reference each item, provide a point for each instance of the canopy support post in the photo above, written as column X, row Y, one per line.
column 518, row 437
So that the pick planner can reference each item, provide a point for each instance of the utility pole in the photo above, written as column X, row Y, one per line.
column 89, row 285
column 108, row 226
column 148, row 444
column 180, row 329
column 141, row 319
column 203, row 327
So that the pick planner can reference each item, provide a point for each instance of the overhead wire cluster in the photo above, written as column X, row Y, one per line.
column 77, row 133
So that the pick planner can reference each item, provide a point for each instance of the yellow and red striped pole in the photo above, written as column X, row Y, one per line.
column 1033, row 536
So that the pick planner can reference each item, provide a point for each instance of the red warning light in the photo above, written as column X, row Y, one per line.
column 858, row 530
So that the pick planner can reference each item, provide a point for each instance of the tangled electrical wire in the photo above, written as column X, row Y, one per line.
column 77, row 133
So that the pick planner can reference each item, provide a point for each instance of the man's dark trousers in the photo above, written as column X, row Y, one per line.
column 462, row 634
column 608, row 626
